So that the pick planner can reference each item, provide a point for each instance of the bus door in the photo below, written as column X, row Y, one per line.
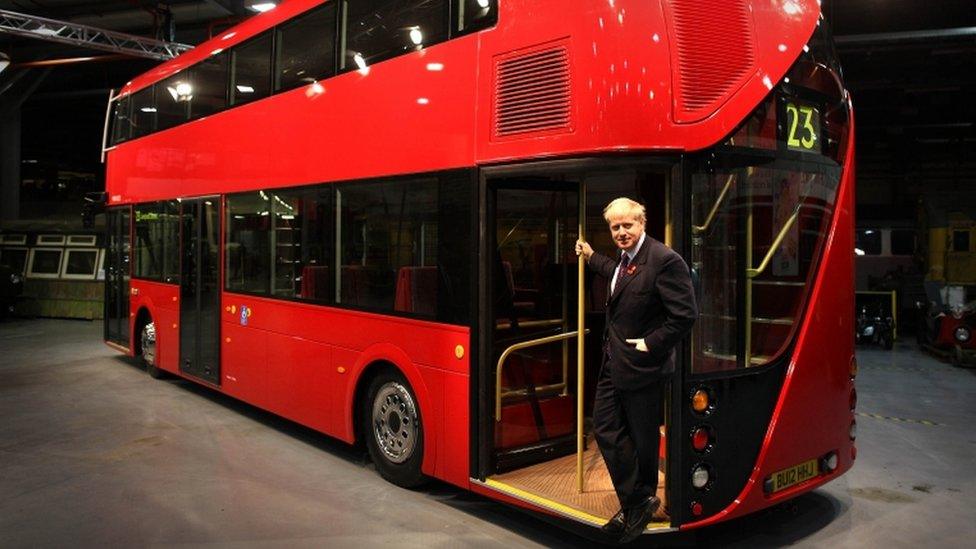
column 117, row 275
column 200, row 288
column 530, row 292
column 532, row 318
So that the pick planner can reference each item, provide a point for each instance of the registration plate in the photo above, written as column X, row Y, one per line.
column 793, row 476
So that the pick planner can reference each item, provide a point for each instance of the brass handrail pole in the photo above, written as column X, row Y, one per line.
column 581, row 331
column 747, row 351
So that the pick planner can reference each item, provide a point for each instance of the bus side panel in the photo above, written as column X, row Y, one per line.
column 813, row 415
column 452, row 464
column 301, row 380
column 243, row 356
column 303, row 361
column 162, row 302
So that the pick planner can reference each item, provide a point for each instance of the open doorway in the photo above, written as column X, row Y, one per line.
column 531, row 373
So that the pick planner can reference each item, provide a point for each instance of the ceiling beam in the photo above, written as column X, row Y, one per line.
column 232, row 7
column 887, row 38
column 74, row 34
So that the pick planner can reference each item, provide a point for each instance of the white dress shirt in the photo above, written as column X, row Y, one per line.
column 631, row 255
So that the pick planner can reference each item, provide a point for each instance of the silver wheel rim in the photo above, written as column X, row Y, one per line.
column 149, row 344
column 396, row 426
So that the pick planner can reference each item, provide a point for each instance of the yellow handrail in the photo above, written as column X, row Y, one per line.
column 512, row 349
column 697, row 229
column 753, row 273
column 581, row 326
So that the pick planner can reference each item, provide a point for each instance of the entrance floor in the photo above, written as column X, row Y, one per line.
column 555, row 481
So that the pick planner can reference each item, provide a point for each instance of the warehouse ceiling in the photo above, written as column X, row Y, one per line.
column 910, row 66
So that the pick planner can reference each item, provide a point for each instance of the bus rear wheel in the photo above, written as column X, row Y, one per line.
column 393, row 430
column 147, row 350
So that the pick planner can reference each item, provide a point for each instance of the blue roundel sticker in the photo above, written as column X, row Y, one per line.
column 244, row 314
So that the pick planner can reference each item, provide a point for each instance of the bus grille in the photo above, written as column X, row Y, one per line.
column 715, row 54
column 532, row 92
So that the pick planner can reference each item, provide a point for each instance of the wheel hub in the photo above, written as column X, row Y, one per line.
column 395, row 422
column 148, row 338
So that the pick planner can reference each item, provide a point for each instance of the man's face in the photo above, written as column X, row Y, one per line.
column 626, row 231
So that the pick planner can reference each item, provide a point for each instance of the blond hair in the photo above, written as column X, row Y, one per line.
column 620, row 207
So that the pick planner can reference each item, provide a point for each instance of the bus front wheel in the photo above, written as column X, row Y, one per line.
column 393, row 430
column 147, row 345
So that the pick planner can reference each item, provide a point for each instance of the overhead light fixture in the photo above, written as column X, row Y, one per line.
column 4, row 61
column 262, row 7
column 416, row 36
column 181, row 93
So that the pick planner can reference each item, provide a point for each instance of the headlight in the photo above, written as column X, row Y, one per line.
column 16, row 278
column 962, row 334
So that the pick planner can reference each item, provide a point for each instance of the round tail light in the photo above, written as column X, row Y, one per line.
column 853, row 431
column 829, row 462
column 701, row 439
column 853, row 367
column 696, row 508
column 700, row 401
column 701, row 476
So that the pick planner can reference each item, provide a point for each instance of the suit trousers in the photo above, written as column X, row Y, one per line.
column 626, row 425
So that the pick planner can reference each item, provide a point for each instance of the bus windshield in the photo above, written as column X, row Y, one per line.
column 761, row 209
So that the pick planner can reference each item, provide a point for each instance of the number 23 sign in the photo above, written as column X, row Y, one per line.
column 802, row 127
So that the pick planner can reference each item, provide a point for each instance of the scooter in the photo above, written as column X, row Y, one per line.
column 949, row 333
column 874, row 327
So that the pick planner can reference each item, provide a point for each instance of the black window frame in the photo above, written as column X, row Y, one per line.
column 192, row 70
column 343, row 31
column 454, row 310
column 268, row 34
column 167, row 244
column 334, row 6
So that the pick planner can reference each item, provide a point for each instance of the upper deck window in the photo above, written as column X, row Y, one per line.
column 173, row 96
column 121, row 114
column 306, row 48
column 375, row 30
column 251, row 70
column 209, row 85
column 475, row 15
column 143, row 117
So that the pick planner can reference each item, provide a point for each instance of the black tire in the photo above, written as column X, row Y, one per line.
column 147, row 350
column 393, row 429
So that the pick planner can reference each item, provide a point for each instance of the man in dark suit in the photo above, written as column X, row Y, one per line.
column 650, row 309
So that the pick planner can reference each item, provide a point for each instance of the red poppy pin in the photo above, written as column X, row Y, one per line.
column 632, row 269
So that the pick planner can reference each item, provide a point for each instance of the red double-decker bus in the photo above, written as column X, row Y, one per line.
column 360, row 215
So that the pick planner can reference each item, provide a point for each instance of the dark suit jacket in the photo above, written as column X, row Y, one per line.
column 655, row 302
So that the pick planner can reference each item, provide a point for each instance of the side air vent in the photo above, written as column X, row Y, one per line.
column 532, row 92
column 715, row 54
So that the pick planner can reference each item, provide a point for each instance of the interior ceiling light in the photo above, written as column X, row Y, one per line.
column 262, row 7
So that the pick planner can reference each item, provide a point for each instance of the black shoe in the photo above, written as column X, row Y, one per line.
column 638, row 519
column 616, row 524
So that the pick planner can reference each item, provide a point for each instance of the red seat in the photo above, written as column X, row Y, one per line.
column 416, row 291
column 315, row 282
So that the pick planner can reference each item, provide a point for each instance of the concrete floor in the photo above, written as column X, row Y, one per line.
column 93, row 452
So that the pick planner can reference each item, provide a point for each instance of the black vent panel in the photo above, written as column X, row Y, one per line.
column 532, row 92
